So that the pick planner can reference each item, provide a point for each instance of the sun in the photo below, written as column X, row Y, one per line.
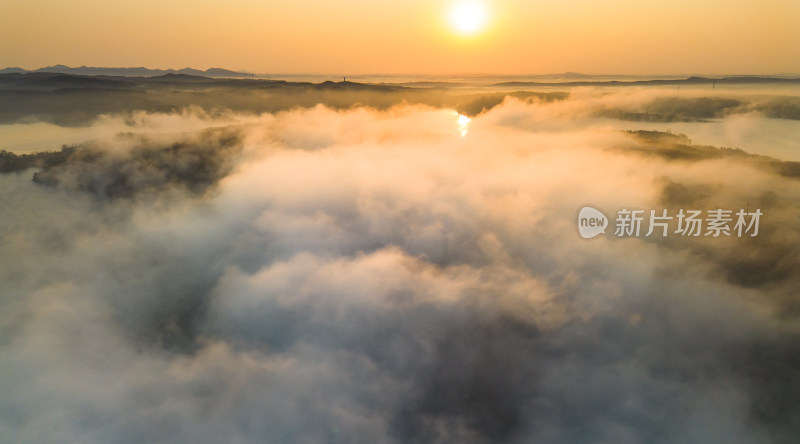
column 468, row 16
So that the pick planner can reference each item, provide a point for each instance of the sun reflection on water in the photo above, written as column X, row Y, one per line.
column 463, row 124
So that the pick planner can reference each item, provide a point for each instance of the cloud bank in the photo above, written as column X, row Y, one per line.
column 324, row 275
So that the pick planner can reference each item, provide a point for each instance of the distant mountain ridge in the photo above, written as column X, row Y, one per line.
column 731, row 80
column 129, row 72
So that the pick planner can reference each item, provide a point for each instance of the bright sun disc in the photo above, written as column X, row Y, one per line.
column 468, row 17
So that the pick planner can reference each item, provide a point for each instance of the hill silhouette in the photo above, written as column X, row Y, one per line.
column 129, row 72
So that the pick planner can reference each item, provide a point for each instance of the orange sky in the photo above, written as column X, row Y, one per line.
column 410, row 36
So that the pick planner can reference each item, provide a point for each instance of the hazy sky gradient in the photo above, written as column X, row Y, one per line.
column 359, row 36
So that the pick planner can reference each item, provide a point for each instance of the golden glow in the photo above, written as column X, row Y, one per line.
column 414, row 36
column 468, row 16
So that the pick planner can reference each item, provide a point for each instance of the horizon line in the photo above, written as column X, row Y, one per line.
column 413, row 74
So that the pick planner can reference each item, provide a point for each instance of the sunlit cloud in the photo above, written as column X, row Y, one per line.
column 210, row 284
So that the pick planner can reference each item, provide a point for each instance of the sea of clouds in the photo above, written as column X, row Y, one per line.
column 356, row 275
